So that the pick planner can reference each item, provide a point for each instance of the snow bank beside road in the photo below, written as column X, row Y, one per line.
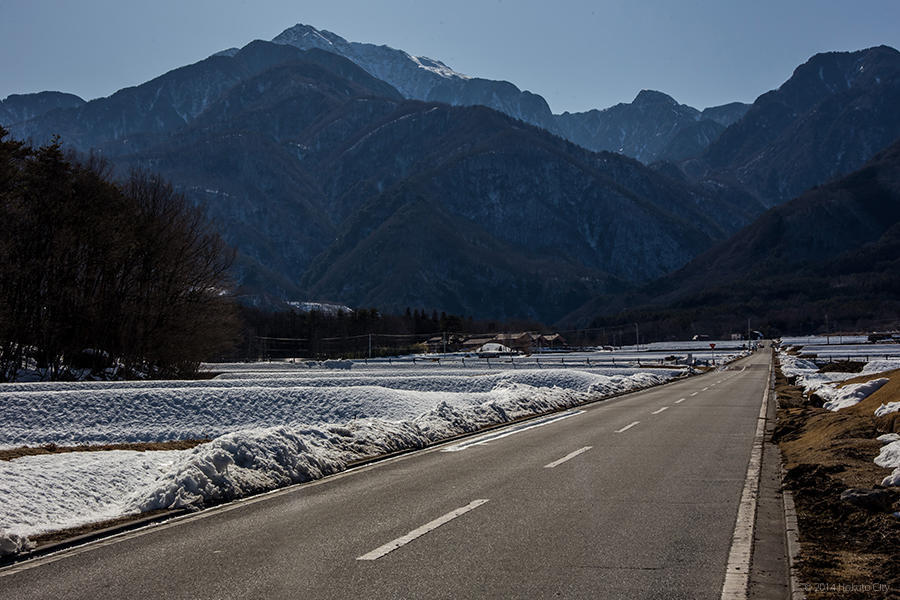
column 50, row 492
column 248, row 462
column 267, row 437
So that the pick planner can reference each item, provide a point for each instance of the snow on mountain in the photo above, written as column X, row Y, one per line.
column 413, row 76
column 423, row 78
column 326, row 308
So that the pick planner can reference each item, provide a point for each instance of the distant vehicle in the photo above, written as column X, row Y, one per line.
column 495, row 350
column 700, row 337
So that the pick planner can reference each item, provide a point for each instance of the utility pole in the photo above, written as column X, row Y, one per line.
column 827, row 336
column 370, row 345
column 637, row 337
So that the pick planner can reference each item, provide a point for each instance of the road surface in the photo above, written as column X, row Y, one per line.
column 633, row 497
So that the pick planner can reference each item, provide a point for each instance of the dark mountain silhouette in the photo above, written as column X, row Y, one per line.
column 651, row 128
column 835, row 112
column 22, row 107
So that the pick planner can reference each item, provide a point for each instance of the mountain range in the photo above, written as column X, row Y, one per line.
column 652, row 127
column 363, row 175
column 835, row 112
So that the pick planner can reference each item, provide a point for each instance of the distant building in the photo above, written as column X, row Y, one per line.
column 553, row 341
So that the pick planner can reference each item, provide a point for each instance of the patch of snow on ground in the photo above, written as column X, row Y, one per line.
column 886, row 409
column 889, row 458
column 824, row 385
column 836, row 398
column 880, row 366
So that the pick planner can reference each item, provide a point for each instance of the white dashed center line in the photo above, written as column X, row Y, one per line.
column 656, row 412
column 417, row 533
column 627, row 427
column 484, row 439
column 569, row 456
column 679, row 401
column 694, row 393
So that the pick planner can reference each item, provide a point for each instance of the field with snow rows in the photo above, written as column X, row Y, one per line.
column 109, row 412
column 851, row 351
column 811, row 340
column 628, row 357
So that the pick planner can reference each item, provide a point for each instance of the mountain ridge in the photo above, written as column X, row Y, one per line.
column 834, row 113
column 832, row 250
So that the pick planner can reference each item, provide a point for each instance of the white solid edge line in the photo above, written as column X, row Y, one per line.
column 679, row 401
column 569, row 456
column 656, row 412
column 627, row 427
column 419, row 532
column 737, row 571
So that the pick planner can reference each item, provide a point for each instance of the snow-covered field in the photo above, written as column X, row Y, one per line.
column 811, row 340
column 851, row 351
column 272, row 424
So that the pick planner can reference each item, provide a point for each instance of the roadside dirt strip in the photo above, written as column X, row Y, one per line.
column 847, row 545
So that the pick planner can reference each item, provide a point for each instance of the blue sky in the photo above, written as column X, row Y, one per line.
column 578, row 54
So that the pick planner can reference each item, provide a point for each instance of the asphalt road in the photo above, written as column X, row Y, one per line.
column 635, row 497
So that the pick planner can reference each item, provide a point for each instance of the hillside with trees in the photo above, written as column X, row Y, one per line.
column 823, row 261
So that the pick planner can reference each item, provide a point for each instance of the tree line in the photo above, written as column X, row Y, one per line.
column 268, row 333
column 123, row 277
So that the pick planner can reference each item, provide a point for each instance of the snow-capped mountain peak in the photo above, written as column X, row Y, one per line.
column 423, row 78
column 413, row 76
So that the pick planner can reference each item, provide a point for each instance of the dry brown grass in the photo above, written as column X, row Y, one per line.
column 825, row 453
column 140, row 447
